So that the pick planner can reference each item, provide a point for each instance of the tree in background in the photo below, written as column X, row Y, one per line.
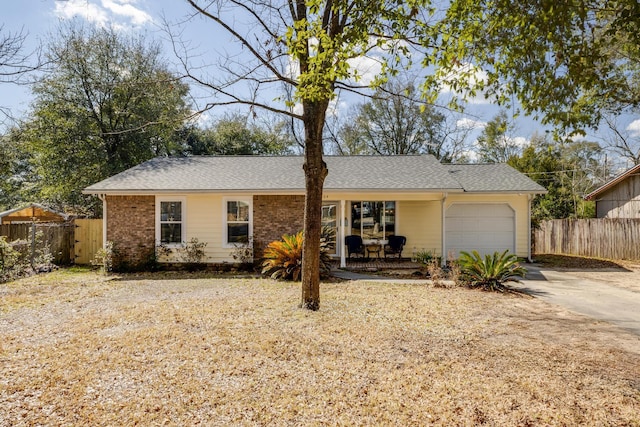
column 107, row 103
column 494, row 143
column 235, row 135
column 567, row 171
column 15, row 63
column 396, row 121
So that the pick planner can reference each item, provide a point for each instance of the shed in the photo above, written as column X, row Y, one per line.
column 32, row 212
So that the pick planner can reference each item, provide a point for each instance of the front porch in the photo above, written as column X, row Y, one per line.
column 377, row 264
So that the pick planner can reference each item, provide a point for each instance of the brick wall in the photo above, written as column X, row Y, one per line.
column 274, row 216
column 131, row 226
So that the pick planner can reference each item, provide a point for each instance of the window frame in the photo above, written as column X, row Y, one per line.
column 225, row 221
column 183, row 221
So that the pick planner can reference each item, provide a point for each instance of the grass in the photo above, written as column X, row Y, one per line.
column 79, row 349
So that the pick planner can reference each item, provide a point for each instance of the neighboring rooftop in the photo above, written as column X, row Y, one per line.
column 613, row 182
column 30, row 213
column 284, row 173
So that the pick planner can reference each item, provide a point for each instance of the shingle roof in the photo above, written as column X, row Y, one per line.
column 492, row 177
column 284, row 173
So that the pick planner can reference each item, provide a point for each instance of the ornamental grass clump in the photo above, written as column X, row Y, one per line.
column 491, row 272
column 283, row 258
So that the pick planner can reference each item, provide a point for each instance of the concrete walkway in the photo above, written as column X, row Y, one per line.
column 611, row 304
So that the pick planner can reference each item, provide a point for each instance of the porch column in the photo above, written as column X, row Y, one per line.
column 343, row 249
column 443, row 258
column 529, row 198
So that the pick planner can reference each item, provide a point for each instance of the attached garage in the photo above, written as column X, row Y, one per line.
column 484, row 227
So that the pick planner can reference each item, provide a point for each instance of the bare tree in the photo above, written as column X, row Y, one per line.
column 15, row 62
column 307, row 47
column 621, row 141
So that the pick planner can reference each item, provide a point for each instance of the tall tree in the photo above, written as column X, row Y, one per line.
column 307, row 46
column 15, row 61
column 395, row 121
column 108, row 103
column 494, row 143
column 568, row 171
column 235, row 135
column 567, row 61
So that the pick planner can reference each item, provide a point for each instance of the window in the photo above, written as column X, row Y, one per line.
column 238, row 221
column 373, row 220
column 170, row 224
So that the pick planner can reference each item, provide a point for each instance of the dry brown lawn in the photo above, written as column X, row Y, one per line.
column 77, row 348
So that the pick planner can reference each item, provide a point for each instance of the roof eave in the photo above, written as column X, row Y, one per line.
column 606, row 186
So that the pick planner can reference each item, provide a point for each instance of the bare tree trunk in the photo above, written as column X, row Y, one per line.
column 315, row 172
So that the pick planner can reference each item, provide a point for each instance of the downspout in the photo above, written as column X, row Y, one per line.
column 443, row 257
column 529, row 199
column 343, row 257
column 103, row 197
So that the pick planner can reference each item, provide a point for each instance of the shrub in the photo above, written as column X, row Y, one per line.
column 192, row 254
column 426, row 257
column 283, row 258
column 492, row 271
column 104, row 258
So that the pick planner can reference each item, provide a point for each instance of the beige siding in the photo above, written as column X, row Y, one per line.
column 204, row 215
column 204, row 221
column 519, row 203
column 421, row 223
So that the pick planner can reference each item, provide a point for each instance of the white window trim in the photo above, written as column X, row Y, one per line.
column 225, row 229
column 183, row 237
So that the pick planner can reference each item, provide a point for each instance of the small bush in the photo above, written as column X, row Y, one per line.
column 192, row 253
column 104, row 258
column 492, row 271
column 426, row 257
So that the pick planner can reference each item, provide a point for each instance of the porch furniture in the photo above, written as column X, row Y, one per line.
column 394, row 246
column 373, row 248
column 354, row 246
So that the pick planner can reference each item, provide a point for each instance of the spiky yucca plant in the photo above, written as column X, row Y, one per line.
column 492, row 271
column 283, row 258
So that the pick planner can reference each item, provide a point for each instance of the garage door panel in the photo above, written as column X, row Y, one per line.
column 486, row 228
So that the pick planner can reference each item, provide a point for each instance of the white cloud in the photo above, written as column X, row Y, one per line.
column 119, row 13
column 634, row 128
column 519, row 141
column 470, row 124
column 367, row 68
column 470, row 75
column 126, row 9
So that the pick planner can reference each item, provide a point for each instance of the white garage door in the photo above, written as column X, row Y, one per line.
column 485, row 228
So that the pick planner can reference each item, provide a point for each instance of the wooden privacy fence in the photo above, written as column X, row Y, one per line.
column 71, row 242
column 58, row 237
column 601, row 238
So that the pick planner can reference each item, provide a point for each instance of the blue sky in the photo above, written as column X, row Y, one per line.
column 40, row 18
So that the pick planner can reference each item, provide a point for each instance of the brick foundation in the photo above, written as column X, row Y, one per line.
column 131, row 226
column 274, row 216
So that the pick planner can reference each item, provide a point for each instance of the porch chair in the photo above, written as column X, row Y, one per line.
column 394, row 246
column 354, row 245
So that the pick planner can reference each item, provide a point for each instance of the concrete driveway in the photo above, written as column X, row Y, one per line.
column 600, row 301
